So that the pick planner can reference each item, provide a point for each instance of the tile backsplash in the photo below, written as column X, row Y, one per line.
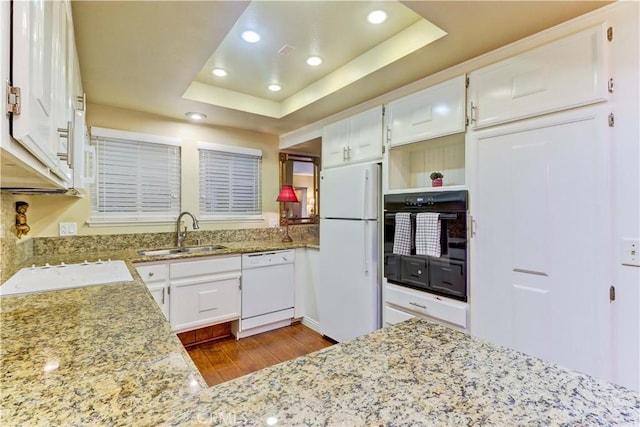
column 115, row 242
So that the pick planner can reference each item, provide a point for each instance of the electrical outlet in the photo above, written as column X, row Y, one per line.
column 68, row 229
column 630, row 252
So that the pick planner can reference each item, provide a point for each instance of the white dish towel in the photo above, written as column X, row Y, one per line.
column 428, row 234
column 402, row 234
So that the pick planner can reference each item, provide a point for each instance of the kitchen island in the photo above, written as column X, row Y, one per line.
column 105, row 355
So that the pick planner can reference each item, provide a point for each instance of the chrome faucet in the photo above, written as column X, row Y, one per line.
column 181, row 235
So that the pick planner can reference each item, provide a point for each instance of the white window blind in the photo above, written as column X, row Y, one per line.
column 136, row 179
column 230, row 181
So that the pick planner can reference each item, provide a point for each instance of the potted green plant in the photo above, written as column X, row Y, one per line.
column 436, row 179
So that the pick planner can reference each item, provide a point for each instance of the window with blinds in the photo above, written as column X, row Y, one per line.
column 137, row 178
column 230, row 182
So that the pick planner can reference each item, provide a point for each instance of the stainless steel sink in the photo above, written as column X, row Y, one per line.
column 173, row 251
column 203, row 248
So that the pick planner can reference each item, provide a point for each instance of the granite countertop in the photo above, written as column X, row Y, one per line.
column 105, row 355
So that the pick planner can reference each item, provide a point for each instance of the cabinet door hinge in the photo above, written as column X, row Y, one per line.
column 610, row 85
column 466, row 82
column 466, row 121
column 610, row 33
column 612, row 120
column 13, row 99
column 383, row 149
column 384, row 110
column 612, row 293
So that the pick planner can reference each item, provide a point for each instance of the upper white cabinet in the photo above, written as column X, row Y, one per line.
column 352, row 140
column 425, row 134
column 563, row 74
column 430, row 113
column 45, row 70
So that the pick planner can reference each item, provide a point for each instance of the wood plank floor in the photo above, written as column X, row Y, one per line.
column 228, row 358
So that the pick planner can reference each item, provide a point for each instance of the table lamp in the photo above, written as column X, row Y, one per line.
column 287, row 194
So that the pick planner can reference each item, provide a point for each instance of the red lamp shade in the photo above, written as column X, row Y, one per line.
column 287, row 194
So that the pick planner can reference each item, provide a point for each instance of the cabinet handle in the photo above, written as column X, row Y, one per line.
column 348, row 153
column 162, row 296
column 418, row 305
column 473, row 112
column 68, row 134
column 344, row 154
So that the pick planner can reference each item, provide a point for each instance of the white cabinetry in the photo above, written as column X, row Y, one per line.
column 307, row 275
column 196, row 293
column 567, row 73
column 45, row 70
column 430, row 113
column 156, row 277
column 402, row 303
column 354, row 139
column 425, row 134
column 204, row 292
column 542, row 246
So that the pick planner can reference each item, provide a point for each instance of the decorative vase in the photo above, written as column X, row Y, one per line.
column 436, row 182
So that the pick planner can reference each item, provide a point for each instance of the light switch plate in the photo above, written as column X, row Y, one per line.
column 630, row 252
column 68, row 229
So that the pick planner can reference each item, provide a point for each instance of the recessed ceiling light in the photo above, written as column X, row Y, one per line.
column 195, row 116
column 251, row 36
column 314, row 61
column 377, row 17
column 274, row 87
column 219, row 72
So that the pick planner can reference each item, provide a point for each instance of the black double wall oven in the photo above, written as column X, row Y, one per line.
column 445, row 275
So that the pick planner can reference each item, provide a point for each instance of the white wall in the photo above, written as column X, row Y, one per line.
column 45, row 211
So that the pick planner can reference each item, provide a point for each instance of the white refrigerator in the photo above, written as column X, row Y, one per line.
column 349, row 294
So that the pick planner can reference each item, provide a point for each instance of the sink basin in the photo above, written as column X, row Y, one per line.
column 172, row 251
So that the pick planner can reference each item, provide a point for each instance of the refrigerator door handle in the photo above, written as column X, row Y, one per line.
column 365, row 245
column 365, row 182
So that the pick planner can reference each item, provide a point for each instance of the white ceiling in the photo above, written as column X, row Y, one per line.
column 152, row 55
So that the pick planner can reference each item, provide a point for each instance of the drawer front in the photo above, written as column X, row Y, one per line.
column 447, row 277
column 205, row 266
column 425, row 304
column 152, row 273
column 567, row 73
column 393, row 316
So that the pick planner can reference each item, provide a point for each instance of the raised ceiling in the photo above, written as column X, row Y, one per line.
column 152, row 56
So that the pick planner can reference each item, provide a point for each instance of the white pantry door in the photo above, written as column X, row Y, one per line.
column 541, row 258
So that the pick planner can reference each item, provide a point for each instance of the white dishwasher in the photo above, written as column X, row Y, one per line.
column 267, row 292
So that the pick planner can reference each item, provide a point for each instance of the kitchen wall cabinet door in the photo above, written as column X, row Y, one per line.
column 353, row 140
column 366, row 136
column 335, row 140
column 40, row 69
column 541, row 252
column 564, row 74
column 430, row 113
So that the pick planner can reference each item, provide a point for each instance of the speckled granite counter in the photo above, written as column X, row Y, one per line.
column 104, row 355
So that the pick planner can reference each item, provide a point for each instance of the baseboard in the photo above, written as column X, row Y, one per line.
column 311, row 324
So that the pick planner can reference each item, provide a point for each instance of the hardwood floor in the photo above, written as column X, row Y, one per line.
column 228, row 358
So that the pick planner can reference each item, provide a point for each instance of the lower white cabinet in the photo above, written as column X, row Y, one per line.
column 196, row 293
column 156, row 277
column 307, row 271
column 402, row 303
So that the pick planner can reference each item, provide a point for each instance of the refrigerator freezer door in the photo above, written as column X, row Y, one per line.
column 350, row 192
column 349, row 291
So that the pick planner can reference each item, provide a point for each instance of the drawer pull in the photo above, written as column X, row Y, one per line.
column 418, row 305
column 151, row 274
column 446, row 269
